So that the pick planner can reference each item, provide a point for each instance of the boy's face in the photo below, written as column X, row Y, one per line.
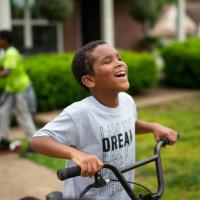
column 110, row 72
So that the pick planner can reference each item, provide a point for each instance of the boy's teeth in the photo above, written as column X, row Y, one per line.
column 120, row 74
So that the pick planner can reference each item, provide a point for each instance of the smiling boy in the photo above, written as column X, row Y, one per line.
column 100, row 128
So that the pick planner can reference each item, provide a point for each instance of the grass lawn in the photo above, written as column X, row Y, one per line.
column 181, row 162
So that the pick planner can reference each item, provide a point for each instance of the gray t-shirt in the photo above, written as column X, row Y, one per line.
column 108, row 133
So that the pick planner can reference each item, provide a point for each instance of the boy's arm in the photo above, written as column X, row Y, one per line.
column 158, row 130
column 49, row 146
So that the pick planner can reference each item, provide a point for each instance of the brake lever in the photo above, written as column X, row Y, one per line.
column 98, row 182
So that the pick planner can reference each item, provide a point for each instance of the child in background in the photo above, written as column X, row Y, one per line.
column 18, row 95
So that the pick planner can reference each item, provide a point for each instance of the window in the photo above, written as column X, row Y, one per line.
column 32, row 33
column 44, row 38
column 17, row 9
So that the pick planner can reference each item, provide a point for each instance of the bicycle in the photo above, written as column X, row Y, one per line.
column 67, row 173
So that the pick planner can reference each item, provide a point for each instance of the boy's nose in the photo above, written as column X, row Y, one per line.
column 120, row 63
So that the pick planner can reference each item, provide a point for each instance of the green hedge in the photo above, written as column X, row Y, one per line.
column 53, row 80
column 182, row 64
column 56, row 87
column 142, row 70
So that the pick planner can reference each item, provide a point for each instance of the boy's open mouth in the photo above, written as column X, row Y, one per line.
column 120, row 74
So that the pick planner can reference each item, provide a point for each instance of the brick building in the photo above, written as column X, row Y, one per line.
column 91, row 19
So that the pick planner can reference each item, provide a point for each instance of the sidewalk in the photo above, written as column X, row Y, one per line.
column 20, row 177
column 149, row 98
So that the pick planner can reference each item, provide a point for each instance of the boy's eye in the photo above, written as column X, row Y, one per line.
column 107, row 60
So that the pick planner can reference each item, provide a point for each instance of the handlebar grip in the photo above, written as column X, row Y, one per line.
column 166, row 141
column 67, row 173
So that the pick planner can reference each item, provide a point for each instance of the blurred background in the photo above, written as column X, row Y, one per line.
column 156, row 35
column 160, row 42
column 65, row 25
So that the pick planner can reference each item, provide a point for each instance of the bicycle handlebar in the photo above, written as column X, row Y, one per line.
column 71, row 172
column 67, row 173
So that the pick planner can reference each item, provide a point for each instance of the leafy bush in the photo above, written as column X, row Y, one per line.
column 182, row 64
column 55, row 10
column 56, row 87
column 141, row 70
column 143, row 10
column 53, row 80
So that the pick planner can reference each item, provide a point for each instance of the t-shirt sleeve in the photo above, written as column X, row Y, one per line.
column 11, row 59
column 62, row 128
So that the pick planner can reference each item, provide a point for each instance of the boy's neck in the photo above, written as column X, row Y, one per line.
column 107, row 99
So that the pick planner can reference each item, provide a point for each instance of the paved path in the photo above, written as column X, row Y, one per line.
column 149, row 98
column 20, row 177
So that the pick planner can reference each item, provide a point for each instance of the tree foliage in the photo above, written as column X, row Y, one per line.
column 143, row 10
column 55, row 10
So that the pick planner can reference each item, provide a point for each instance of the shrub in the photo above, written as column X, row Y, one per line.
column 56, row 87
column 53, row 80
column 182, row 64
column 55, row 10
column 142, row 70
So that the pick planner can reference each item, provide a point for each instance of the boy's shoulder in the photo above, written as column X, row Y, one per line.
column 79, row 106
column 125, row 95
column 89, row 103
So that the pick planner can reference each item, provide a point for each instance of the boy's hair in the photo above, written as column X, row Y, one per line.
column 83, row 61
column 6, row 35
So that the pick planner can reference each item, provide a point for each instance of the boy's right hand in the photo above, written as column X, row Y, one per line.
column 89, row 164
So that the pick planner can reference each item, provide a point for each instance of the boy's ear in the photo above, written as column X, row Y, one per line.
column 88, row 81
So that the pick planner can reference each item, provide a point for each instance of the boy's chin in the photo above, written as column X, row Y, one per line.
column 125, row 88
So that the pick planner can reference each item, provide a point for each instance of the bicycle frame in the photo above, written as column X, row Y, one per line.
column 156, row 158
column 75, row 171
